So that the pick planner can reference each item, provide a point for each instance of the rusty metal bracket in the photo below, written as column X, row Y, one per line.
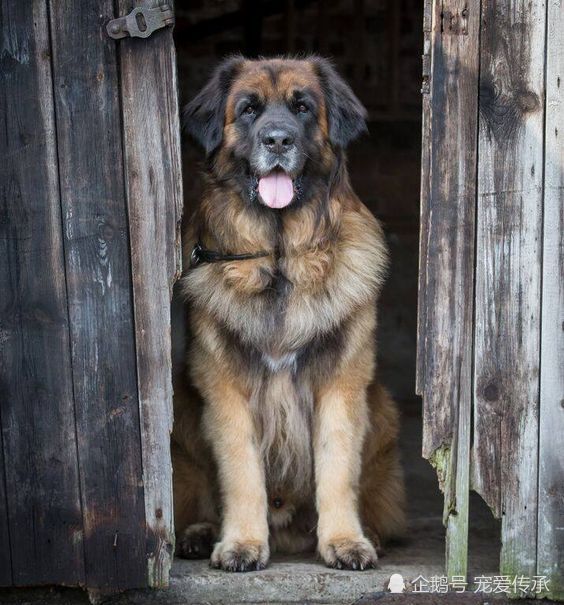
column 141, row 22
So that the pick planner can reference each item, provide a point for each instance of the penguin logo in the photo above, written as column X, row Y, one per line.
column 396, row 583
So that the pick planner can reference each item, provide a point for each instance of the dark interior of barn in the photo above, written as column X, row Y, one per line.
column 376, row 45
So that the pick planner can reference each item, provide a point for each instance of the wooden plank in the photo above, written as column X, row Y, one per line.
column 99, row 289
column 5, row 548
column 154, row 192
column 36, row 397
column 551, row 471
column 426, row 139
column 508, row 273
column 448, row 246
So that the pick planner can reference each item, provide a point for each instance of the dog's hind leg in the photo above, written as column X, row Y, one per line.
column 196, row 514
column 195, row 511
column 196, row 541
column 382, row 499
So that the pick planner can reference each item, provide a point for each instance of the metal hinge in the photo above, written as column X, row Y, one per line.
column 426, row 81
column 141, row 22
column 426, row 57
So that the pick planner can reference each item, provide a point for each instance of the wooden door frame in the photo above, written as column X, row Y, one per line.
column 151, row 135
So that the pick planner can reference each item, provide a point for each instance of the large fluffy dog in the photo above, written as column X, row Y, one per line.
column 282, row 439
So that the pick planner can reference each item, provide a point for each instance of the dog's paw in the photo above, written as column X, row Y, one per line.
column 232, row 555
column 196, row 541
column 356, row 554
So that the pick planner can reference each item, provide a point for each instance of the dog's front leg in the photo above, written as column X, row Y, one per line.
column 340, row 426
column 244, row 535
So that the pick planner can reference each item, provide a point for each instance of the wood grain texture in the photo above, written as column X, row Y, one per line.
column 426, row 125
column 551, row 469
column 36, row 396
column 154, row 192
column 508, row 273
column 448, row 247
column 5, row 546
column 98, row 270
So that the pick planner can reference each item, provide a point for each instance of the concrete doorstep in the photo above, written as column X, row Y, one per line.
column 284, row 581
column 287, row 580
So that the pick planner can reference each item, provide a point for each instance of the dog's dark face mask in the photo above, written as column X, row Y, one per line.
column 275, row 128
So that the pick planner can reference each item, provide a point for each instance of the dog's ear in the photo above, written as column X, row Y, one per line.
column 345, row 113
column 203, row 117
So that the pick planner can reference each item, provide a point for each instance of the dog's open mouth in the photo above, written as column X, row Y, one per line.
column 276, row 189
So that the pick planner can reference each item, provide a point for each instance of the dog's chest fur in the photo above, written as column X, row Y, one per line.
column 283, row 324
column 282, row 398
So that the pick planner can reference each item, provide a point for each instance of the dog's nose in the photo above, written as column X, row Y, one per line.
column 278, row 140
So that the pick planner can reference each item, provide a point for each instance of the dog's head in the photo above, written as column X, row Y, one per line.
column 275, row 128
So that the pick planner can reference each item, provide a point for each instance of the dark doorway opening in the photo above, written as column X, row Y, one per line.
column 376, row 45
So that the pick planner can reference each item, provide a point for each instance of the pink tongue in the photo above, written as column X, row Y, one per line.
column 276, row 189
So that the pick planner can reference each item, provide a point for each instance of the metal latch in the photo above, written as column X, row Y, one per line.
column 141, row 22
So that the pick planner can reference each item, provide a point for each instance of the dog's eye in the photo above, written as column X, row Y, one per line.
column 249, row 110
column 302, row 108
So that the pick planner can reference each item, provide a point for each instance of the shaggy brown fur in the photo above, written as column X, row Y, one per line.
column 282, row 439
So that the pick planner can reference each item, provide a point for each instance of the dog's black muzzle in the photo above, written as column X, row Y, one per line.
column 277, row 143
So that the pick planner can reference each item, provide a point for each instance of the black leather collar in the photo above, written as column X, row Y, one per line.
column 201, row 255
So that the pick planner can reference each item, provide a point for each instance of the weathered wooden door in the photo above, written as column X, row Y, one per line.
column 491, row 312
column 90, row 198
